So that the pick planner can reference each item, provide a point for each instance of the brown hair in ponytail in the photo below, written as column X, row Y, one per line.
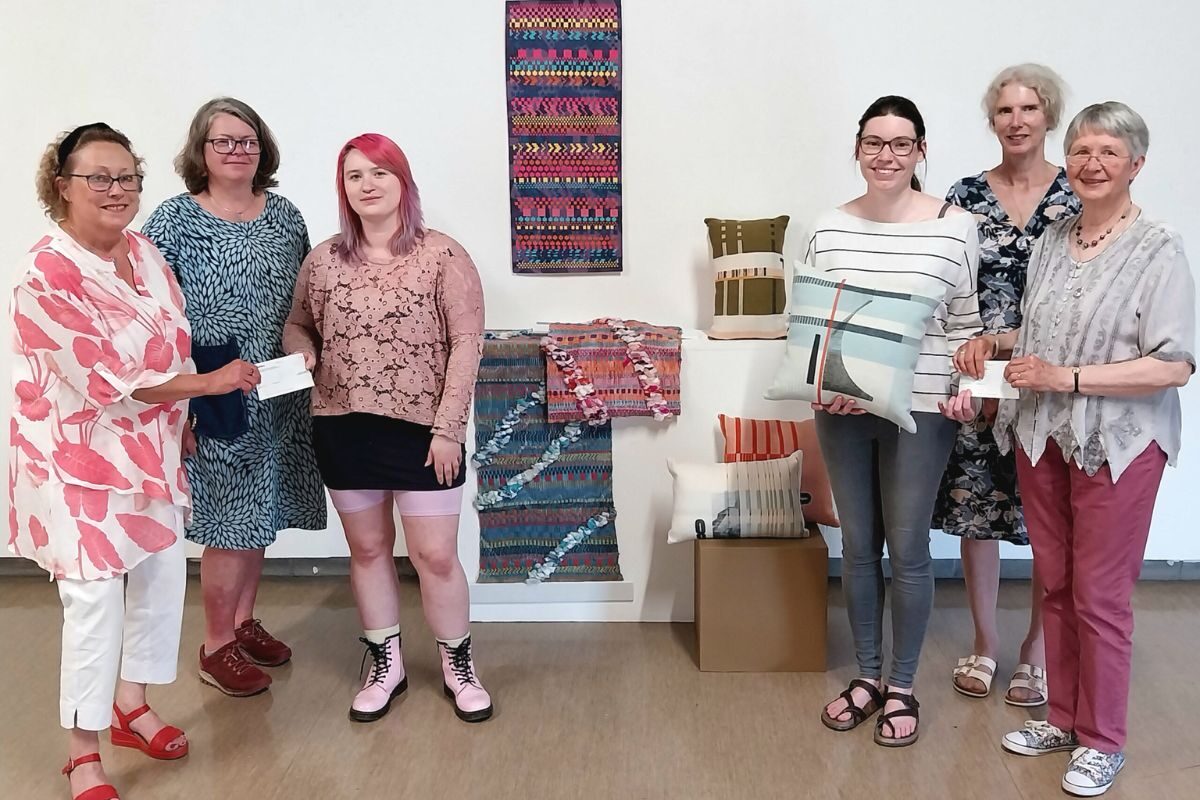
column 895, row 106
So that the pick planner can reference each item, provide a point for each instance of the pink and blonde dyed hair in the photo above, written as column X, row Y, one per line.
column 385, row 153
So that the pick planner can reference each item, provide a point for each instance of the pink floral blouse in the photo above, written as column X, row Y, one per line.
column 401, row 339
column 95, row 477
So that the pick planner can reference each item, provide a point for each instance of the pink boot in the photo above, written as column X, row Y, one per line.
column 385, row 682
column 471, row 702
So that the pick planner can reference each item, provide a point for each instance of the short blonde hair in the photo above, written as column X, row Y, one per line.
column 50, row 169
column 190, row 162
column 1041, row 79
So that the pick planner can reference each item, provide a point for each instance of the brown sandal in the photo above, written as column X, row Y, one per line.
column 910, row 710
column 857, row 715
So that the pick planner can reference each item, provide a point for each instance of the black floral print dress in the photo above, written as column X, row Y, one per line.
column 978, row 498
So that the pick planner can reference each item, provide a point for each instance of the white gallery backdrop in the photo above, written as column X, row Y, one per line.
column 742, row 110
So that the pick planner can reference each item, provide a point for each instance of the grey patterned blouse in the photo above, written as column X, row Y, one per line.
column 1135, row 299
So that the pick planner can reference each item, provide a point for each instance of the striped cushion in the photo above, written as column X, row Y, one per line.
column 764, row 439
column 750, row 300
column 857, row 339
column 752, row 499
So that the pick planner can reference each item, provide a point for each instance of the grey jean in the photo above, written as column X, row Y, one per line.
column 885, row 482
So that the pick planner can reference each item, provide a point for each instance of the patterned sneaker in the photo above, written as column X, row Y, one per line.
column 1091, row 773
column 229, row 670
column 261, row 647
column 1038, row 739
column 471, row 702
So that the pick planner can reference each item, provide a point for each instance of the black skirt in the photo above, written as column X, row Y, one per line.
column 369, row 451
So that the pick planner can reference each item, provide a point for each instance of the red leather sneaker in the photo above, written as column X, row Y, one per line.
column 261, row 647
column 229, row 670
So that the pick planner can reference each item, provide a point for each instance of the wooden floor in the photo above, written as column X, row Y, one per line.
column 584, row 711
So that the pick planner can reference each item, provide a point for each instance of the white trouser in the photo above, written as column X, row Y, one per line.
column 133, row 622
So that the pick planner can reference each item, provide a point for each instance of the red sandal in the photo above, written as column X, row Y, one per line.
column 124, row 736
column 102, row 792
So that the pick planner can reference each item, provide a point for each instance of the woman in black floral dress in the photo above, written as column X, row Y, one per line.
column 1013, row 204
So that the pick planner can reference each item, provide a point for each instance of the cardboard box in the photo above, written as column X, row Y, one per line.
column 761, row 604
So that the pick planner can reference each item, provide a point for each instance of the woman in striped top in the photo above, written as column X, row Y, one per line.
column 884, row 480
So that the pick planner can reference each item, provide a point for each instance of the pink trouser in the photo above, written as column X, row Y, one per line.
column 1089, row 538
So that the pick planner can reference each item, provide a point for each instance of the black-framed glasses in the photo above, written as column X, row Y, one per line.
column 250, row 145
column 901, row 145
column 102, row 183
column 1106, row 159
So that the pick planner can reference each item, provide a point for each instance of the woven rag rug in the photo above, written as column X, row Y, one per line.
column 541, row 532
column 564, row 135
column 598, row 350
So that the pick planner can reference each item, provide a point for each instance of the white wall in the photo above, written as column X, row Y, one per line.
column 740, row 109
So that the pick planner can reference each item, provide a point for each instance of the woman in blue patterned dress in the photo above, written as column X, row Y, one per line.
column 1013, row 204
column 236, row 249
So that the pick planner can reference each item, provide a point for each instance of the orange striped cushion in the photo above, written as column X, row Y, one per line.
column 764, row 439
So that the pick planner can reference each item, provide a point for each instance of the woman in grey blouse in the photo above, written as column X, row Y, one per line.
column 1108, row 336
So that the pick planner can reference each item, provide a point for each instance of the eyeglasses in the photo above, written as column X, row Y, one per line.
column 102, row 182
column 250, row 146
column 1106, row 159
column 873, row 145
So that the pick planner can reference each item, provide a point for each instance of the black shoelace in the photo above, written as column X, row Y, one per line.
column 460, row 662
column 381, row 660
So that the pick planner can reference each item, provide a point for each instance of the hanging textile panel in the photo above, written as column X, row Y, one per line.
column 629, row 364
column 557, row 524
column 564, row 136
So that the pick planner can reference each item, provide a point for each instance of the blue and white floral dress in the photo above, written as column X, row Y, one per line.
column 238, row 279
column 978, row 498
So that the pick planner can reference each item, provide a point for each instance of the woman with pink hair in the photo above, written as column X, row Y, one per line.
column 389, row 315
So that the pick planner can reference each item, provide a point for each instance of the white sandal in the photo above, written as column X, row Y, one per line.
column 1027, row 676
column 974, row 666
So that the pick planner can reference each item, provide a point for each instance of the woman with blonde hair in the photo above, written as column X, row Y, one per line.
column 1013, row 203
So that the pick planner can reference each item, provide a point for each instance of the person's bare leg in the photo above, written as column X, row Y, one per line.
column 1033, row 649
column 981, row 573
column 251, row 577
column 85, row 776
column 371, row 534
column 222, row 580
column 433, row 548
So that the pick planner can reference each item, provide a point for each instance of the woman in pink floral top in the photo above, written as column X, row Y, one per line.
column 101, row 370
column 390, row 314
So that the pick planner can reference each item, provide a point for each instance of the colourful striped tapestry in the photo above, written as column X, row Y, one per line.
column 564, row 135
column 603, row 358
column 517, row 534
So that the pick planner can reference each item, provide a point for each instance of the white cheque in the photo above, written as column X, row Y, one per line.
column 992, row 384
column 283, row 376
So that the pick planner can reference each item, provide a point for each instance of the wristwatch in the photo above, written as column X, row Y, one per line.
column 1075, row 375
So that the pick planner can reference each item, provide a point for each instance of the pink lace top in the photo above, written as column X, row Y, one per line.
column 400, row 339
column 95, row 478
